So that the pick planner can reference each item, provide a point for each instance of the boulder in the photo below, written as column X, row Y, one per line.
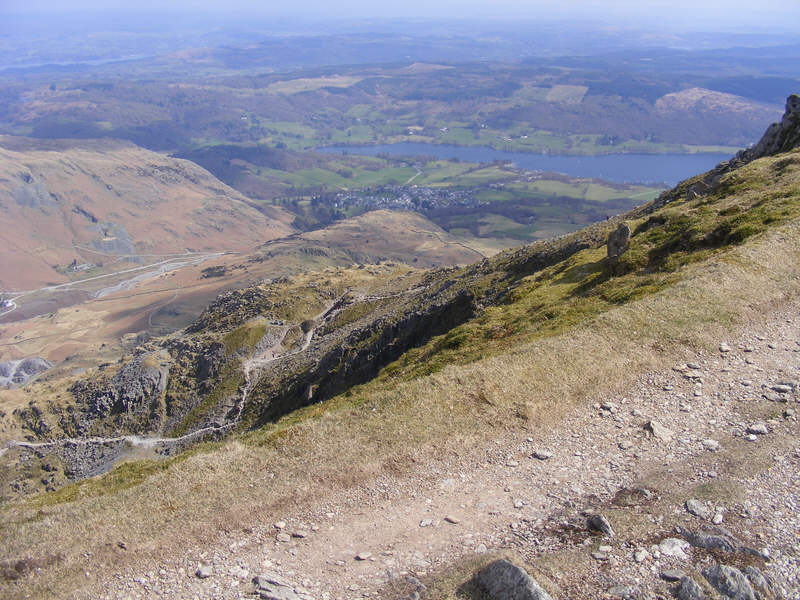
column 273, row 587
column 618, row 239
column 730, row 582
column 658, row 431
column 600, row 524
column 698, row 509
column 504, row 580
column 689, row 590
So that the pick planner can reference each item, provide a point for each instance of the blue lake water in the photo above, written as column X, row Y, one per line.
column 619, row 168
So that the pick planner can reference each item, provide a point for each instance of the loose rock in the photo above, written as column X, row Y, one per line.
column 674, row 547
column 698, row 509
column 730, row 582
column 759, row 428
column 600, row 523
column 502, row 579
column 625, row 592
column 204, row 571
column 658, row 431
column 689, row 590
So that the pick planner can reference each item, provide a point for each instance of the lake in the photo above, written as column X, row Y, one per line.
column 619, row 168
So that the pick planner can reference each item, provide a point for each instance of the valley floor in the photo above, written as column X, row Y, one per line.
column 457, row 512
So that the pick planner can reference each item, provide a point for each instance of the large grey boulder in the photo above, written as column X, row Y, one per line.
column 273, row 587
column 618, row 240
column 730, row 582
column 504, row 580
column 689, row 590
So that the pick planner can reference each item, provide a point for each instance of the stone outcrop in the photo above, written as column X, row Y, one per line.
column 18, row 372
column 779, row 137
column 730, row 582
column 618, row 239
column 504, row 580
column 130, row 397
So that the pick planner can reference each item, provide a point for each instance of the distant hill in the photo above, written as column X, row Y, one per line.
column 67, row 206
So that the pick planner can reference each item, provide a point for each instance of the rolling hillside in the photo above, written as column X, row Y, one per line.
column 76, row 208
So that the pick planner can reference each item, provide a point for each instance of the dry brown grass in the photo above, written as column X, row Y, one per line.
column 347, row 441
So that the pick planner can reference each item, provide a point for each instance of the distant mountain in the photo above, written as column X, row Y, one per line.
column 67, row 206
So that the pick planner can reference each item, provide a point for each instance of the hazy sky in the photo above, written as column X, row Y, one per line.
column 696, row 14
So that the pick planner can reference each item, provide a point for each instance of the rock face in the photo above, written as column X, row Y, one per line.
column 505, row 581
column 130, row 396
column 779, row 137
column 618, row 240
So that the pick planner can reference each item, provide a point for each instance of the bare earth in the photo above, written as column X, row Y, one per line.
column 457, row 512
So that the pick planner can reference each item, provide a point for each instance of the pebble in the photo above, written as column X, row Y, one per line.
column 599, row 555
column 283, row 537
column 711, row 445
column 781, row 388
column 363, row 555
column 723, row 347
column 453, row 520
column 542, row 454
column 426, row 523
column 671, row 575
column 641, row 555
column 718, row 519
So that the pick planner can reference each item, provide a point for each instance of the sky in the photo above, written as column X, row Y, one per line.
column 694, row 14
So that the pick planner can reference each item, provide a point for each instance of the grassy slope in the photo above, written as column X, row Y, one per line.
column 565, row 334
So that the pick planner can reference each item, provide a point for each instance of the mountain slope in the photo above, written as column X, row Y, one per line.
column 71, row 205
column 497, row 351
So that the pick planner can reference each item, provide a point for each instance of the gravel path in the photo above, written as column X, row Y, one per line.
column 721, row 429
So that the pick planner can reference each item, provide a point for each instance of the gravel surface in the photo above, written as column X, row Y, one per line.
column 710, row 443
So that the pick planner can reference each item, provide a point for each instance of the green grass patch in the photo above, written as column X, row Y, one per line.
column 231, row 378
column 244, row 337
column 121, row 477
